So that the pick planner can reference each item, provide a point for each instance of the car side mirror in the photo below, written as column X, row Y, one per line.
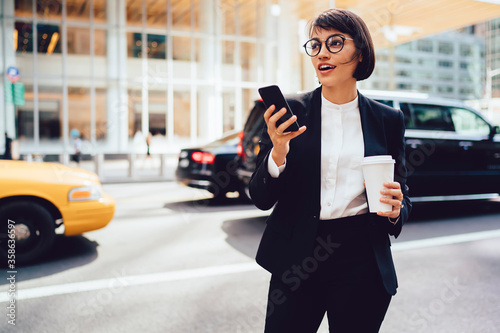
column 494, row 130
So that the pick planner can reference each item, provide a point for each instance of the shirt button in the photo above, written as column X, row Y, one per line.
column 329, row 204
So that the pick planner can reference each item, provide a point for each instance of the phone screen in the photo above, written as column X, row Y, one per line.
column 271, row 95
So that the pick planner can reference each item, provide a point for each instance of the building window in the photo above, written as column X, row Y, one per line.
column 249, row 61
column 181, row 16
column 465, row 50
column 445, row 63
column 134, row 13
column 403, row 60
column 78, row 10
column 403, row 73
column 445, row 89
column 134, row 45
column 23, row 37
column 426, row 62
column 425, row 45
column 49, row 39
column 79, row 41
column 248, row 18
column 445, row 77
column 445, row 48
column 79, row 109
column 100, row 11
column 23, row 8
column 156, row 47
column 51, row 10
column 78, row 60
column 100, row 43
column 425, row 88
column 424, row 75
column 156, row 14
column 466, row 92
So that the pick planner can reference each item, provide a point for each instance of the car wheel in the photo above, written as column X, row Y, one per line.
column 31, row 226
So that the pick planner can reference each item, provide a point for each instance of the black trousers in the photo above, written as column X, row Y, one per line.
column 342, row 280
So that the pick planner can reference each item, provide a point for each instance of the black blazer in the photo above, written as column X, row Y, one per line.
column 291, row 228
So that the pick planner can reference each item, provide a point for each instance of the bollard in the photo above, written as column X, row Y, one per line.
column 131, row 165
column 163, row 163
column 99, row 165
column 64, row 158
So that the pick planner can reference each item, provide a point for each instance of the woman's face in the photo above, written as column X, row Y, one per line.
column 335, row 69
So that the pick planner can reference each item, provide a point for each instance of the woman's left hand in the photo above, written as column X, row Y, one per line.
column 392, row 189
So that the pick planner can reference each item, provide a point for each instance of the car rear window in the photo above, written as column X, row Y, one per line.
column 429, row 117
column 255, row 116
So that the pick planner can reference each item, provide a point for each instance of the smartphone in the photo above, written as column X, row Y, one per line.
column 272, row 95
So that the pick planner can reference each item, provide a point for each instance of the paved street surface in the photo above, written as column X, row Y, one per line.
column 174, row 261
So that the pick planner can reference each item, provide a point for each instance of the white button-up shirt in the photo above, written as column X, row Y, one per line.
column 342, row 151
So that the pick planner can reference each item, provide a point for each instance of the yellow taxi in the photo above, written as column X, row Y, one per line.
column 38, row 198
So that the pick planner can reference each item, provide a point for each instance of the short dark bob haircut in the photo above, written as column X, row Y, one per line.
column 349, row 23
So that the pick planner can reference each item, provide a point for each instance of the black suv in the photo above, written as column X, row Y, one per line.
column 452, row 152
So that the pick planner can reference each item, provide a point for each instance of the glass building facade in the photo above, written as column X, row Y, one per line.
column 184, row 70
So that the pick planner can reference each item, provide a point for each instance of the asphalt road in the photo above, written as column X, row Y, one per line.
column 173, row 260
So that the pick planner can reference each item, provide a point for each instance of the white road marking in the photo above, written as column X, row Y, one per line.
column 127, row 281
column 445, row 240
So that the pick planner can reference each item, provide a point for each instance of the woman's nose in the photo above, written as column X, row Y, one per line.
column 323, row 52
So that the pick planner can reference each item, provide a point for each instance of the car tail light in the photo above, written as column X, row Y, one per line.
column 239, row 147
column 204, row 158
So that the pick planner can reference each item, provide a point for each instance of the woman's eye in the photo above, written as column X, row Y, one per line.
column 314, row 46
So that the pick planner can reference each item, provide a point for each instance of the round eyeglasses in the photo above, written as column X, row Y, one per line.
column 334, row 44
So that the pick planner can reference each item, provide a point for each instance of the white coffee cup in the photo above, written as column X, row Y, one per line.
column 377, row 170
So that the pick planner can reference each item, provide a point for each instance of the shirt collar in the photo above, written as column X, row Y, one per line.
column 347, row 106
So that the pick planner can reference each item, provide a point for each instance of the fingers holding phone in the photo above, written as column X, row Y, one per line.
column 282, row 125
column 279, row 138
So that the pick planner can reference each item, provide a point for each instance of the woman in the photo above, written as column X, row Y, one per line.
column 325, row 251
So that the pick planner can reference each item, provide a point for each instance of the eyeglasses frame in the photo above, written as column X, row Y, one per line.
column 321, row 42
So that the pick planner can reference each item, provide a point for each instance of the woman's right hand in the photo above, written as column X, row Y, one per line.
column 281, row 141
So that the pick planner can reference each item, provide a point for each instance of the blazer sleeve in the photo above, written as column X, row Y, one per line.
column 264, row 189
column 400, row 174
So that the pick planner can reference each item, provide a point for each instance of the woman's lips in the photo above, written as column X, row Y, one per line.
column 325, row 68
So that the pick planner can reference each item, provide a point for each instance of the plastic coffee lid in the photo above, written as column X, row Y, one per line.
column 378, row 159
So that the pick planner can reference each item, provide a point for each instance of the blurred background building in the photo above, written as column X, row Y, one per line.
column 188, row 70
column 450, row 64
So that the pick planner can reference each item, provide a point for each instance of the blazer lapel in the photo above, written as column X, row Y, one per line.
column 315, row 144
column 372, row 125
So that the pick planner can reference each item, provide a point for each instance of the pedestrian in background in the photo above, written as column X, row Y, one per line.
column 325, row 251
column 148, row 144
column 77, row 145
column 7, row 155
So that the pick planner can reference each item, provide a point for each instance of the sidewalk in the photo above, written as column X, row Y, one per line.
column 144, row 170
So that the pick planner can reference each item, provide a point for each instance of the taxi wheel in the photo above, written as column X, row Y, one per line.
column 31, row 226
